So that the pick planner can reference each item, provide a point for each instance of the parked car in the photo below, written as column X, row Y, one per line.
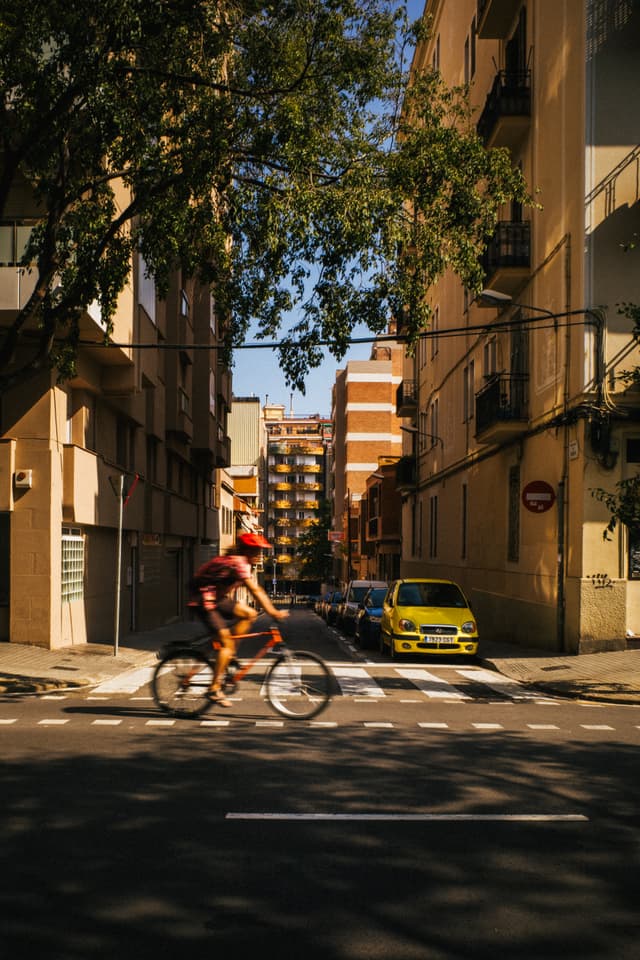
column 427, row 616
column 333, row 605
column 367, row 627
column 321, row 604
column 353, row 597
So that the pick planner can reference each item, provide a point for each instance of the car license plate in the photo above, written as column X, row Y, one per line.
column 441, row 641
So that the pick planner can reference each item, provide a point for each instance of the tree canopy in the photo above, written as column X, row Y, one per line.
column 271, row 149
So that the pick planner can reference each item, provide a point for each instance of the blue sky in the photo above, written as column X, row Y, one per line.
column 256, row 372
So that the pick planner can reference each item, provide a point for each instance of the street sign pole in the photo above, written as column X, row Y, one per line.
column 116, row 626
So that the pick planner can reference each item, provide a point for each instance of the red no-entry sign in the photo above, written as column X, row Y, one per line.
column 538, row 496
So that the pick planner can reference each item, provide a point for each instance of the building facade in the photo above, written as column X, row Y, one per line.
column 367, row 434
column 142, row 424
column 298, row 457
column 516, row 400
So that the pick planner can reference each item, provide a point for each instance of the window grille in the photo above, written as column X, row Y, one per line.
column 72, row 565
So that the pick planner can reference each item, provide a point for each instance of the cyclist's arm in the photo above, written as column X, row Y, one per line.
column 262, row 598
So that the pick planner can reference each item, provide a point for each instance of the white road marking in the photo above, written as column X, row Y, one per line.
column 356, row 681
column 7, row 722
column 52, row 723
column 595, row 726
column 127, row 682
column 413, row 817
column 434, row 726
column 106, row 723
column 159, row 723
column 499, row 683
column 543, row 726
column 487, row 726
column 432, row 685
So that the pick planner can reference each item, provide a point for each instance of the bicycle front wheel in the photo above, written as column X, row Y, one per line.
column 181, row 683
column 298, row 685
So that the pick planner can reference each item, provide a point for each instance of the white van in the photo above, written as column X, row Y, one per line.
column 353, row 597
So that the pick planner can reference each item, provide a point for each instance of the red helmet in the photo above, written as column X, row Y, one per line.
column 255, row 541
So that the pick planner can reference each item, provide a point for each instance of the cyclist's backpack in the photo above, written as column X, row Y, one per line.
column 219, row 572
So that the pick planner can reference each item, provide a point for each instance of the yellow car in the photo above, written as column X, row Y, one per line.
column 427, row 616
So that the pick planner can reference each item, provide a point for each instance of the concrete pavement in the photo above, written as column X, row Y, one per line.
column 612, row 677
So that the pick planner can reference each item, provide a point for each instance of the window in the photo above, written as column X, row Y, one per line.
column 463, row 515
column 435, row 406
column 14, row 238
column 468, row 396
column 124, row 444
column 72, row 564
column 513, row 544
column 489, row 358
column 146, row 289
column 435, row 326
column 435, row 59
column 433, row 527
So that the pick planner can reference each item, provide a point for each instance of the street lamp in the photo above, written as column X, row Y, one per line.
column 419, row 433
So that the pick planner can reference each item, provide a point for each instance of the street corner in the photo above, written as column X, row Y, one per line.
column 12, row 684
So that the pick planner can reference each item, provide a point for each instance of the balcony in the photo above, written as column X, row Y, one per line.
column 406, row 398
column 495, row 18
column 223, row 452
column 506, row 116
column 501, row 408
column 507, row 259
column 406, row 474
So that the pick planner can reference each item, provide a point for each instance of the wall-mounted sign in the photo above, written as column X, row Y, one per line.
column 335, row 536
column 538, row 496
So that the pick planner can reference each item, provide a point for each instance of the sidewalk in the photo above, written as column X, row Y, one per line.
column 604, row 677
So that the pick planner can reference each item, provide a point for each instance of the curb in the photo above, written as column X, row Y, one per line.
column 15, row 685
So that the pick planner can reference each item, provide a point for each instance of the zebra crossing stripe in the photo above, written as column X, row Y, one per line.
column 500, row 684
column 431, row 685
column 127, row 682
column 356, row 682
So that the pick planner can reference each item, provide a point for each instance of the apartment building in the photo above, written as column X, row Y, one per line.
column 367, row 435
column 298, row 458
column 516, row 402
column 145, row 418
column 248, row 446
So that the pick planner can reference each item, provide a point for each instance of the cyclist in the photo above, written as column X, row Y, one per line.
column 214, row 590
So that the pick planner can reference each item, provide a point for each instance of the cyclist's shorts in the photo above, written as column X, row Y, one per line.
column 220, row 617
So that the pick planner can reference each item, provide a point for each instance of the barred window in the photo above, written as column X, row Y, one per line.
column 72, row 564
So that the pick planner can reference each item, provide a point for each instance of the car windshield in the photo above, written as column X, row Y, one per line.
column 430, row 595
column 357, row 593
column 376, row 597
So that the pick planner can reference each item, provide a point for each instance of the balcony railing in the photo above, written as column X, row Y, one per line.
column 507, row 110
column 502, row 407
column 508, row 252
column 406, row 398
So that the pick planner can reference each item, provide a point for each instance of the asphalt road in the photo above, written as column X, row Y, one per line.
column 397, row 826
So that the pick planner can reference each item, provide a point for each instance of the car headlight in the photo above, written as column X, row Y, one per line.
column 407, row 626
column 468, row 627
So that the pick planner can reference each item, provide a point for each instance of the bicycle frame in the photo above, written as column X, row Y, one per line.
column 275, row 638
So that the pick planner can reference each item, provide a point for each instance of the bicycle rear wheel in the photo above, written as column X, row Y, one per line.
column 298, row 685
column 181, row 683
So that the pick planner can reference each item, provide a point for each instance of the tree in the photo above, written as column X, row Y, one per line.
column 259, row 146
column 313, row 546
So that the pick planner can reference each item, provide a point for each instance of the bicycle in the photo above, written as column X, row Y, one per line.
column 296, row 685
